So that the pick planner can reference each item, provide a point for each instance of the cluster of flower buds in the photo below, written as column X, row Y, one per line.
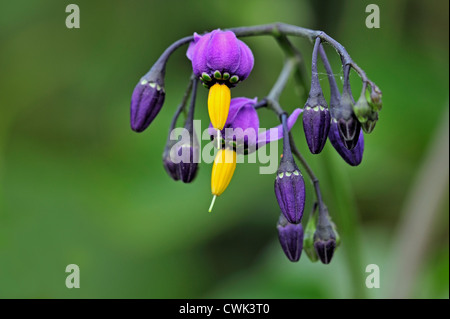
column 220, row 61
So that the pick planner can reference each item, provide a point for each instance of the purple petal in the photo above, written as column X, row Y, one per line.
column 190, row 50
column 246, row 63
column 276, row 133
column 352, row 157
column 236, row 105
column 291, row 240
column 223, row 52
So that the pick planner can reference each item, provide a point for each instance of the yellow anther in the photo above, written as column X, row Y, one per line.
column 222, row 172
column 218, row 105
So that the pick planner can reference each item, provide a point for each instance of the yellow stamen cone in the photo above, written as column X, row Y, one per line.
column 219, row 104
column 222, row 172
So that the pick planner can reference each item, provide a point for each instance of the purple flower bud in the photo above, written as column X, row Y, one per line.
column 218, row 56
column 146, row 101
column 352, row 157
column 187, row 168
column 291, row 238
column 325, row 249
column 348, row 124
column 316, row 117
column 169, row 165
column 289, row 185
column 324, row 237
column 316, row 124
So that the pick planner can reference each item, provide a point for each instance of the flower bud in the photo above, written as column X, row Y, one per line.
column 147, row 99
column 369, row 125
column 291, row 238
column 188, row 166
column 375, row 99
column 316, row 117
column 169, row 165
column 362, row 109
column 324, row 237
column 289, row 185
column 353, row 156
column 316, row 124
column 308, row 239
column 348, row 124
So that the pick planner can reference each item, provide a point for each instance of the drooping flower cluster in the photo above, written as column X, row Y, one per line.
column 220, row 61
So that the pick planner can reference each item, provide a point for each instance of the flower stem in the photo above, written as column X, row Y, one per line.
column 278, row 30
column 271, row 101
column 181, row 107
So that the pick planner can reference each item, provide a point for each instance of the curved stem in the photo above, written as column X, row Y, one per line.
column 189, row 125
column 280, row 84
column 277, row 30
column 334, row 90
column 180, row 107
column 309, row 171
column 300, row 74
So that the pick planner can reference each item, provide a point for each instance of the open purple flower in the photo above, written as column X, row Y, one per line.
column 219, row 56
column 220, row 60
column 240, row 131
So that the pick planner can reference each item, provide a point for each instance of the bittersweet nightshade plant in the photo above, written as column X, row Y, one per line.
column 220, row 60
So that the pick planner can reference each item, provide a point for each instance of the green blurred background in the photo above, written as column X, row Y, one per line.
column 78, row 186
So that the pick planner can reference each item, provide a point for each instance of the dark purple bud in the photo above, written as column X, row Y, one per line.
column 147, row 99
column 316, row 116
column 169, row 165
column 316, row 124
column 188, row 166
column 352, row 157
column 289, row 184
column 291, row 238
column 324, row 237
column 325, row 249
column 348, row 124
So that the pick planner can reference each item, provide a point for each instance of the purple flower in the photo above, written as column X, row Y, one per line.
column 352, row 157
column 147, row 100
column 291, row 238
column 218, row 56
column 241, row 128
